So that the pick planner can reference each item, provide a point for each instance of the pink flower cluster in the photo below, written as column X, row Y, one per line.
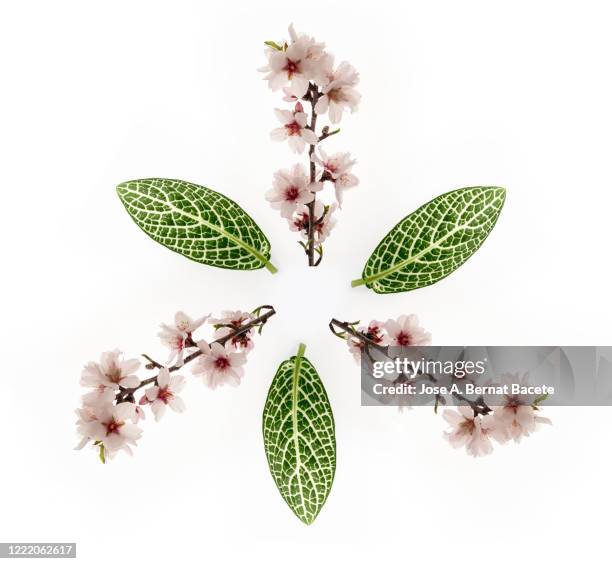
column 475, row 425
column 511, row 419
column 307, row 73
column 110, row 413
column 404, row 331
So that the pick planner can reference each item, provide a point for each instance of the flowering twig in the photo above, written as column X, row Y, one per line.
column 475, row 423
column 309, row 71
column 260, row 321
column 109, row 413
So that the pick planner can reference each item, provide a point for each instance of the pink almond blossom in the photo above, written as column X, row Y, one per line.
column 375, row 331
column 515, row 412
column 218, row 365
column 343, row 182
column 338, row 87
column 295, row 64
column 234, row 318
column 337, row 167
column 336, row 164
column 184, row 323
column 165, row 393
column 300, row 218
column 325, row 225
column 294, row 129
column 405, row 331
column 229, row 322
column 290, row 189
column 325, row 221
column 111, row 372
column 85, row 416
column 113, row 426
column 474, row 432
column 176, row 337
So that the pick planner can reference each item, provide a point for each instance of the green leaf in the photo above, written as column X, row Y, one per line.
column 196, row 222
column 102, row 453
column 274, row 45
column 433, row 241
column 539, row 400
column 299, row 436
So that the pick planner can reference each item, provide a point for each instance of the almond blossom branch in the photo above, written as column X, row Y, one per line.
column 109, row 413
column 235, row 333
column 307, row 73
column 477, row 422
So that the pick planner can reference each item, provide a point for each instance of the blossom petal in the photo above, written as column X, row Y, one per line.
column 279, row 134
column 322, row 105
column 158, row 408
column 152, row 393
column 309, row 136
column 130, row 381
column 130, row 366
column 177, row 404
column 299, row 85
column 163, row 378
column 284, row 116
column 131, row 431
column 335, row 112
column 124, row 411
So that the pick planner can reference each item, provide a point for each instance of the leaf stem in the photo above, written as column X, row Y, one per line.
column 270, row 267
column 358, row 282
column 301, row 350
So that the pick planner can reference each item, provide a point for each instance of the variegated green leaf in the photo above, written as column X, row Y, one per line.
column 196, row 222
column 299, row 436
column 433, row 241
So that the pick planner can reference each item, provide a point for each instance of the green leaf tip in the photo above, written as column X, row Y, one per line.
column 274, row 45
column 196, row 222
column 433, row 241
column 102, row 453
column 539, row 400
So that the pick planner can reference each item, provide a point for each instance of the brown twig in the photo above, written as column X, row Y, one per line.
column 325, row 133
column 478, row 406
column 260, row 320
column 314, row 96
column 348, row 328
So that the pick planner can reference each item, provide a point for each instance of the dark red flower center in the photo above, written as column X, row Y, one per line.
column 113, row 427
column 403, row 339
column 374, row 335
column 293, row 128
column 291, row 67
column 301, row 221
column 291, row 194
column 222, row 363
column 164, row 394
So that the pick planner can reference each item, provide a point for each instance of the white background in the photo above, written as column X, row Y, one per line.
column 515, row 94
